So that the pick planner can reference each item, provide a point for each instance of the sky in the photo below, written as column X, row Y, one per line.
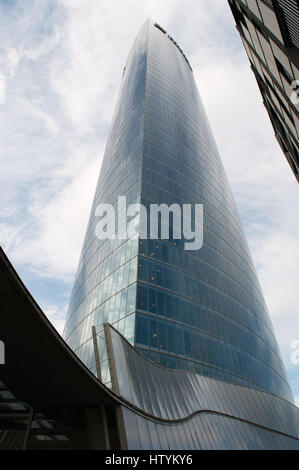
column 61, row 64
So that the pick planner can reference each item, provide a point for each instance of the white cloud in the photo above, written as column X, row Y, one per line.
column 35, row 111
column 47, row 45
column 13, row 58
column 2, row 89
column 8, row 65
column 51, row 240
column 56, row 315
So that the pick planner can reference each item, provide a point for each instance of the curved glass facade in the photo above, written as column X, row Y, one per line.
column 201, row 311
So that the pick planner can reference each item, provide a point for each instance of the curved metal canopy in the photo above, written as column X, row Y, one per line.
column 39, row 366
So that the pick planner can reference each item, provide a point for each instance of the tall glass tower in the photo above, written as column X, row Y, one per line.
column 200, row 311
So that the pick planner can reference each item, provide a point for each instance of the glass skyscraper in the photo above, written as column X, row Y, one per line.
column 199, row 311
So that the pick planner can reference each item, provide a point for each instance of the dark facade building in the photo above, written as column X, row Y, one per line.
column 269, row 30
column 164, row 348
